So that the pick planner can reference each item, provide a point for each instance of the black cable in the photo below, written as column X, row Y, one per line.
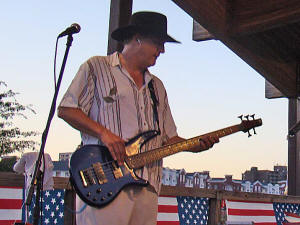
column 43, row 155
column 42, row 188
column 55, row 54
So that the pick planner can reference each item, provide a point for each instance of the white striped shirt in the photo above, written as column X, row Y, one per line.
column 105, row 91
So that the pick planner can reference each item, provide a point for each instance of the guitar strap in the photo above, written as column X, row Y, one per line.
column 155, row 103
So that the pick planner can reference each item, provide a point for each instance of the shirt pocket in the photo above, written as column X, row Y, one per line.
column 109, row 101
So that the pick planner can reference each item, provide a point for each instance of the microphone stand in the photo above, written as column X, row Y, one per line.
column 38, row 174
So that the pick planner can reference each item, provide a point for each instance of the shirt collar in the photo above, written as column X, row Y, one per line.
column 114, row 60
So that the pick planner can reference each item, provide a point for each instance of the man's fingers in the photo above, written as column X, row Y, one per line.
column 203, row 144
column 112, row 152
column 120, row 148
column 208, row 142
column 117, row 151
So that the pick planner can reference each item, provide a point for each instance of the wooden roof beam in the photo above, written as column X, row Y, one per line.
column 255, row 16
column 120, row 13
column 214, row 15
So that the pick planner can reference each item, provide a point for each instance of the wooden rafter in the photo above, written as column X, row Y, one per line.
column 257, row 16
column 266, row 57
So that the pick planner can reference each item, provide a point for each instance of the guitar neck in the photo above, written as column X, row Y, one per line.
column 139, row 160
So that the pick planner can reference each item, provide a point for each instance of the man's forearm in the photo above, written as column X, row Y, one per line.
column 78, row 120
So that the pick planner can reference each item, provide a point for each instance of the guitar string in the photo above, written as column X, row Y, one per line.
column 193, row 140
column 112, row 168
column 109, row 174
column 109, row 163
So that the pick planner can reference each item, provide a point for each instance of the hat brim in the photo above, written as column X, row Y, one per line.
column 124, row 33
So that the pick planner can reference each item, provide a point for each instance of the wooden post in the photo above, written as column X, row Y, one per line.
column 214, row 217
column 293, row 149
column 70, row 205
column 120, row 12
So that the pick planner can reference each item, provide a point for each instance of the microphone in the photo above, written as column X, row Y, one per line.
column 73, row 29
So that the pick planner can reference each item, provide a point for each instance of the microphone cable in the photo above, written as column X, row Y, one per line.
column 55, row 55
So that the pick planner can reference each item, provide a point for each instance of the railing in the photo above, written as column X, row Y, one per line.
column 12, row 179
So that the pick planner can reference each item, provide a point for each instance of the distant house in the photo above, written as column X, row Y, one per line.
column 197, row 179
column 169, row 177
column 227, row 184
column 65, row 156
column 266, row 176
column 61, row 168
column 266, row 188
column 174, row 177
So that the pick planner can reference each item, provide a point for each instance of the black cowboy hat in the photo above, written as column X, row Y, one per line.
column 152, row 24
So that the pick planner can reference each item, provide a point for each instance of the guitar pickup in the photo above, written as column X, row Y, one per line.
column 99, row 173
column 84, row 182
column 87, row 177
column 116, row 171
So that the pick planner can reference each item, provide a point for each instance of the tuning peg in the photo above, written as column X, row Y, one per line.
column 249, row 135
column 252, row 116
column 241, row 117
column 247, row 117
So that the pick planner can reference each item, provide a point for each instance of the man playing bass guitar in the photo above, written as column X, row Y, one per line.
column 112, row 99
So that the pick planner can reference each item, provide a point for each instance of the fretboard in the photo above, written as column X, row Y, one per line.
column 141, row 159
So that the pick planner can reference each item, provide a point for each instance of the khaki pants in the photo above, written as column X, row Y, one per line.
column 135, row 205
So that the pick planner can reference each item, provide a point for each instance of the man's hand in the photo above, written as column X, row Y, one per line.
column 206, row 142
column 115, row 145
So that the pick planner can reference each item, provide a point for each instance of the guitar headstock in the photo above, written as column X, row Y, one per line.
column 247, row 125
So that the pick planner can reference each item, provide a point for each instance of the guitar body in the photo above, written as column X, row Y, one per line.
column 95, row 175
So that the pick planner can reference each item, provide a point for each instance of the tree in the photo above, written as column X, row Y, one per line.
column 7, row 164
column 13, row 138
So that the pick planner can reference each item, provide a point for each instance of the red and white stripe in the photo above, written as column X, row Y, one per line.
column 292, row 218
column 261, row 213
column 167, row 211
column 10, row 205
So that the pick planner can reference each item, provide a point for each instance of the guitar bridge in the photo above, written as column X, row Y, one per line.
column 99, row 173
column 116, row 171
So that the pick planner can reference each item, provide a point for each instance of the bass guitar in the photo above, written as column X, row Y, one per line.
column 98, row 179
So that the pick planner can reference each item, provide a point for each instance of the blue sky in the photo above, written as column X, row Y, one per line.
column 207, row 84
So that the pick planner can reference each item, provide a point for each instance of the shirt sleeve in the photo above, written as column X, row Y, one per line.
column 19, row 166
column 80, row 92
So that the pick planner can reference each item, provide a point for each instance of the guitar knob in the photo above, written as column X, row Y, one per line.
column 103, row 198
column 94, row 199
column 109, row 194
column 98, row 190
column 88, row 194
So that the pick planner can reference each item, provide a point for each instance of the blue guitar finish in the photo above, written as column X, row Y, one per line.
column 97, row 178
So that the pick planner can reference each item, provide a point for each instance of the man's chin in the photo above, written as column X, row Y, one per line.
column 153, row 63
